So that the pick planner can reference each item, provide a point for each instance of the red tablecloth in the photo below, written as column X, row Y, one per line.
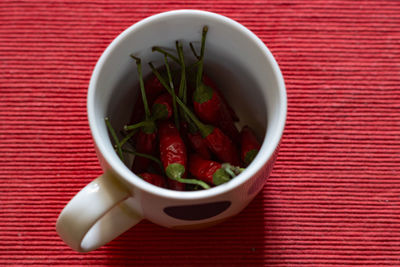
column 334, row 195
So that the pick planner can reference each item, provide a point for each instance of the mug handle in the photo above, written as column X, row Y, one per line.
column 96, row 215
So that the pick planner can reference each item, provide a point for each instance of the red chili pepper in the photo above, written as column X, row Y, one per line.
column 153, row 178
column 153, row 87
column 196, row 142
column 249, row 145
column 173, row 156
column 216, row 140
column 222, row 118
column 162, row 107
column 208, row 171
column 208, row 103
column 173, row 153
column 199, row 145
column 145, row 143
column 225, row 105
column 222, row 147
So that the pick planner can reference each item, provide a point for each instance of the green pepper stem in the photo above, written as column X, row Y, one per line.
column 183, row 84
column 127, row 137
column 232, row 170
column 135, row 126
column 171, row 85
column 147, row 156
column 191, row 181
column 142, row 89
column 201, row 60
column 163, row 51
column 204, row 129
column 114, row 136
column 194, row 51
column 195, row 64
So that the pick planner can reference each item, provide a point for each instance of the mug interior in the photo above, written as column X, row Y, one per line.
column 238, row 62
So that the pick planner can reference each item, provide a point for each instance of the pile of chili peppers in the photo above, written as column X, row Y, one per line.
column 183, row 131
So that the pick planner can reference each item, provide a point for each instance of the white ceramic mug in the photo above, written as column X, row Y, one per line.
column 249, row 77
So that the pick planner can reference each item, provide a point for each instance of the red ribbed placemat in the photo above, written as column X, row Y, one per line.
column 334, row 196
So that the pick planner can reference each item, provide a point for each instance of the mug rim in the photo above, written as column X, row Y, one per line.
column 125, row 173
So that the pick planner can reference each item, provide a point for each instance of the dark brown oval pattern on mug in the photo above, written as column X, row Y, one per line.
column 198, row 211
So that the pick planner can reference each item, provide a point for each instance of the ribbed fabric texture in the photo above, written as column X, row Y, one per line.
column 334, row 194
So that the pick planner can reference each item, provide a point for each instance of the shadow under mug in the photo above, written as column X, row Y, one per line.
column 249, row 77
